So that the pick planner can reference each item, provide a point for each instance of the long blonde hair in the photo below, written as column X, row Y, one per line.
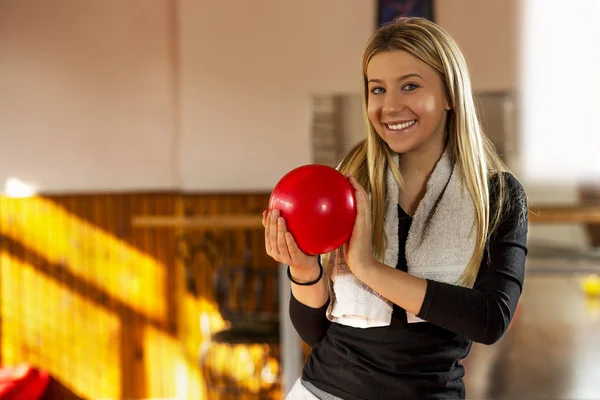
column 473, row 151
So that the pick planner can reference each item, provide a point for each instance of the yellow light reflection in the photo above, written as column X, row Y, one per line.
column 250, row 367
column 49, row 322
column 162, row 357
column 89, row 253
column 73, row 339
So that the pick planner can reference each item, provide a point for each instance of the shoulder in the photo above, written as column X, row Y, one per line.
column 509, row 199
column 510, row 182
column 506, row 189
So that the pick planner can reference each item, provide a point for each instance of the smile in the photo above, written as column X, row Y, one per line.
column 400, row 126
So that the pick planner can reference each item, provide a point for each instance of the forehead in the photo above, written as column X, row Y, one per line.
column 391, row 64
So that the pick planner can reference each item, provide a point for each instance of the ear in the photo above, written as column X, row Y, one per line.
column 448, row 106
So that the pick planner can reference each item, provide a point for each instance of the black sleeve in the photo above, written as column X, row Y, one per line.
column 483, row 313
column 310, row 323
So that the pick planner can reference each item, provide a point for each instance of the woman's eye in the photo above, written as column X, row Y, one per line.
column 377, row 90
column 410, row 86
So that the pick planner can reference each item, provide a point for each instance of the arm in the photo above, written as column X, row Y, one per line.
column 481, row 314
column 310, row 323
column 308, row 303
column 314, row 296
column 484, row 313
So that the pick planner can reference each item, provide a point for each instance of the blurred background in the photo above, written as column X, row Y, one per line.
column 140, row 141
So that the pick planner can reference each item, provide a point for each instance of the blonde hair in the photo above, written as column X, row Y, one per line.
column 473, row 151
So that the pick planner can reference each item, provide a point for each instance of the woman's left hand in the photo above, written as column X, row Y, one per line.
column 357, row 251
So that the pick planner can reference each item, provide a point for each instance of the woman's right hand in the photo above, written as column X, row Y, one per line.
column 282, row 247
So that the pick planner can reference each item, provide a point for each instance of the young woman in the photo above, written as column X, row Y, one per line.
column 437, row 256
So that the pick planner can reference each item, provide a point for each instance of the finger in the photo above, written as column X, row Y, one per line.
column 358, row 187
column 362, row 198
column 273, row 232
column 282, row 246
column 354, row 182
column 264, row 218
column 295, row 252
column 267, row 232
column 363, row 201
column 362, row 223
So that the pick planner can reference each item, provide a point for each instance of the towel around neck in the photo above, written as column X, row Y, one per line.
column 440, row 244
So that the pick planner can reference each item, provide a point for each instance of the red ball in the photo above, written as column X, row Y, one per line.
column 318, row 205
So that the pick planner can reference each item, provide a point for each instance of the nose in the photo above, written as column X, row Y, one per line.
column 392, row 103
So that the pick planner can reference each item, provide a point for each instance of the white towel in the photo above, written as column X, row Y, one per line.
column 440, row 244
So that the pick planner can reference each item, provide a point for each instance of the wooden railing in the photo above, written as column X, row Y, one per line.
column 564, row 214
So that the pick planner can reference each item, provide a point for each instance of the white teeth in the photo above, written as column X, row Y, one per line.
column 403, row 125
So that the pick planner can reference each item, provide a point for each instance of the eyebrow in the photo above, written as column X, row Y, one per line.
column 403, row 77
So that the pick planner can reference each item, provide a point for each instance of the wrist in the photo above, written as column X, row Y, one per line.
column 305, row 274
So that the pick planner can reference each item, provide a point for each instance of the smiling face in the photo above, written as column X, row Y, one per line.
column 406, row 102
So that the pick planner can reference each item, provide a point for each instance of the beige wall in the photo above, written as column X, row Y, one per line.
column 92, row 91
column 248, row 70
column 487, row 33
column 112, row 95
column 86, row 94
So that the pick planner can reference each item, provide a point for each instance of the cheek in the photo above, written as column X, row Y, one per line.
column 373, row 113
column 428, row 105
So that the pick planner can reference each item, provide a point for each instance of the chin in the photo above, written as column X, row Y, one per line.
column 402, row 149
column 401, row 146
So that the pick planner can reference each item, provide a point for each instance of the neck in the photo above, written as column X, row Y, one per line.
column 416, row 168
column 421, row 163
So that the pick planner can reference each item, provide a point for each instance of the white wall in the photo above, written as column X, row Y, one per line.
column 560, row 92
column 114, row 95
column 558, row 101
column 86, row 95
column 487, row 33
column 248, row 70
